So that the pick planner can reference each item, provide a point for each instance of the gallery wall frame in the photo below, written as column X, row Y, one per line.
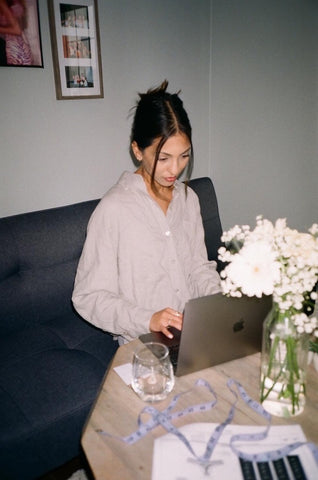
column 20, row 35
column 76, row 51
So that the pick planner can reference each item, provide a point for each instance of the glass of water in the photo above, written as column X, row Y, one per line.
column 152, row 373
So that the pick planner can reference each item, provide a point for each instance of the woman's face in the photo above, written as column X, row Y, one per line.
column 173, row 158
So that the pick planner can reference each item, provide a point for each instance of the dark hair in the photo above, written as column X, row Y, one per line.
column 160, row 114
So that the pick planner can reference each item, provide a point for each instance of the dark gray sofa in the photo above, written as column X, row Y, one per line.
column 52, row 361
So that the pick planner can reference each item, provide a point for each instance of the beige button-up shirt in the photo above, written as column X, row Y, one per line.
column 137, row 260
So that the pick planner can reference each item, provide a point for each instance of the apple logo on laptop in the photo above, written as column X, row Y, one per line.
column 238, row 326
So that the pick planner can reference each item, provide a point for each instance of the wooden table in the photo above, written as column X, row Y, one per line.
column 117, row 407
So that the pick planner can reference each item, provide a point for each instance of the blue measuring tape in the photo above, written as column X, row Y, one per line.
column 165, row 417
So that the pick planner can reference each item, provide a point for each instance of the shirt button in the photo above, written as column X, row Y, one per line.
column 167, row 233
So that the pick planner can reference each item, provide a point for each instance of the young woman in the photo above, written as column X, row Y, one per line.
column 144, row 255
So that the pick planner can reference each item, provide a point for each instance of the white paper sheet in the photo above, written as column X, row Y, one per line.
column 125, row 372
column 172, row 460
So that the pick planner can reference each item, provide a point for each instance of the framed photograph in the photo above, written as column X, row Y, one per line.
column 76, row 49
column 20, row 38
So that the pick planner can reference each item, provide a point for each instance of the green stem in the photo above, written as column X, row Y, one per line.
column 263, row 397
column 291, row 368
column 288, row 367
column 282, row 350
column 273, row 350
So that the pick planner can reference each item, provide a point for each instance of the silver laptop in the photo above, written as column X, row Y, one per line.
column 215, row 329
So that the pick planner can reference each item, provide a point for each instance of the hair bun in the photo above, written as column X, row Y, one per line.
column 154, row 92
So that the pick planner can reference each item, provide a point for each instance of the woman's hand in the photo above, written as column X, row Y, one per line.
column 163, row 320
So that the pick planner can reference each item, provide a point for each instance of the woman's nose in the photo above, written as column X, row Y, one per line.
column 174, row 167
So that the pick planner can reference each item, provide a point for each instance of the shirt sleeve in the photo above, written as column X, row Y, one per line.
column 204, row 277
column 96, row 294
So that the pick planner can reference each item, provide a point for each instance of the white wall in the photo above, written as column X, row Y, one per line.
column 248, row 73
column 264, row 110
column 59, row 152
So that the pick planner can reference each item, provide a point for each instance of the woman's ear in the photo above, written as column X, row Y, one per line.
column 136, row 150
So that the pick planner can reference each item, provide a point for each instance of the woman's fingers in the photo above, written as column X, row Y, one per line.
column 174, row 319
column 171, row 318
column 165, row 319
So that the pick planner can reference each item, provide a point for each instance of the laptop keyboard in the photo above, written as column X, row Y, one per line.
column 173, row 353
column 287, row 468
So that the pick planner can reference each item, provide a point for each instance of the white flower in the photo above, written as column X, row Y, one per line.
column 280, row 224
column 254, row 270
column 271, row 259
column 314, row 229
column 304, row 324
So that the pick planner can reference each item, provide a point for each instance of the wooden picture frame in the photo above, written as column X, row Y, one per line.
column 20, row 36
column 76, row 49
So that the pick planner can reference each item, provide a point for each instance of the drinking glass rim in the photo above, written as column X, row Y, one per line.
column 164, row 355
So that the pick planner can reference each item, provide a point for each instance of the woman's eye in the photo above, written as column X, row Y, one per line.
column 162, row 159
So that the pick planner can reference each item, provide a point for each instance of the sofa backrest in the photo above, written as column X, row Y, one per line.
column 204, row 188
column 39, row 253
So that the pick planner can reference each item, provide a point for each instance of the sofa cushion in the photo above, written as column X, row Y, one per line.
column 47, row 386
column 46, row 396
column 20, row 345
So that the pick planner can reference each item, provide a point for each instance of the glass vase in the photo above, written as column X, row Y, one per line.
column 283, row 365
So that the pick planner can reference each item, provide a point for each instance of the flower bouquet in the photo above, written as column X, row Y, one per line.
column 275, row 260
